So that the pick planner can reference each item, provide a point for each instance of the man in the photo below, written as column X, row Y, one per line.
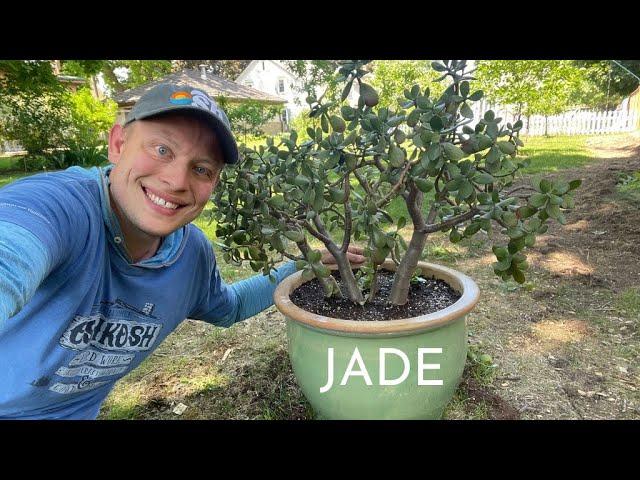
column 98, row 266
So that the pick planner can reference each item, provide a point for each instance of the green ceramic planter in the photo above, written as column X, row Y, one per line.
column 396, row 369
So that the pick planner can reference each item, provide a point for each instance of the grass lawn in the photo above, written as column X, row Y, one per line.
column 550, row 154
column 9, row 163
column 11, row 169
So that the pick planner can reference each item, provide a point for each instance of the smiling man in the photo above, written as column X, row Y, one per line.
column 165, row 170
column 98, row 266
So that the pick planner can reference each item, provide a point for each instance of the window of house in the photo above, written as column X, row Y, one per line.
column 281, row 85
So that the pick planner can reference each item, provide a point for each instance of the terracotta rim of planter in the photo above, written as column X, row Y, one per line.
column 457, row 280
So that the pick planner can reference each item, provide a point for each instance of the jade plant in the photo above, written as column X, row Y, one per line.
column 455, row 174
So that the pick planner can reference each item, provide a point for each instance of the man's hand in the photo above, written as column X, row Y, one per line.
column 354, row 254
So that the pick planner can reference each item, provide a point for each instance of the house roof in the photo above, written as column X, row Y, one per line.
column 213, row 85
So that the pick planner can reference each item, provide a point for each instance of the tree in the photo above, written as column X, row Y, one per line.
column 390, row 77
column 609, row 83
column 120, row 75
column 249, row 118
column 423, row 151
column 42, row 114
column 542, row 87
column 35, row 105
column 315, row 75
column 317, row 78
column 82, row 68
column 91, row 119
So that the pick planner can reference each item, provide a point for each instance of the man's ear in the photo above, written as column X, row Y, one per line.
column 116, row 143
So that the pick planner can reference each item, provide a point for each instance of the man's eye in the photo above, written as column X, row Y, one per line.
column 202, row 171
column 162, row 150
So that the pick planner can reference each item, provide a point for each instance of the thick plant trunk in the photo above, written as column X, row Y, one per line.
column 404, row 272
column 327, row 283
column 348, row 278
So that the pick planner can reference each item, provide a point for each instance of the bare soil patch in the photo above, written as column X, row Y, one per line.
column 564, row 345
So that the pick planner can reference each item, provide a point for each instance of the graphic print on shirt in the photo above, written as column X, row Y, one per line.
column 108, row 340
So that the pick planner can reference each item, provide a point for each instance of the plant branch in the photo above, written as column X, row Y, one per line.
column 396, row 187
column 414, row 204
column 347, row 215
column 442, row 226
column 363, row 183
column 524, row 187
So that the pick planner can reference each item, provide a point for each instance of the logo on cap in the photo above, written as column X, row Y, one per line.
column 202, row 100
column 181, row 98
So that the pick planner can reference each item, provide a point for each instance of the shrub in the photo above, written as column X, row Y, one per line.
column 425, row 152
column 60, row 159
column 91, row 119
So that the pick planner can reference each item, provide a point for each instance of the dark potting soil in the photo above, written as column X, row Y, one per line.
column 424, row 297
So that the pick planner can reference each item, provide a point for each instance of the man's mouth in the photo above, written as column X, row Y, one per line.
column 161, row 202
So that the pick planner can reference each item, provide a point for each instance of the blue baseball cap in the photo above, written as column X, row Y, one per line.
column 180, row 97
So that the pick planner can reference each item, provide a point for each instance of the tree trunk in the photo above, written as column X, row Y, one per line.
column 94, row 87
column 327, row 283
column 402, row 277
column 518, row 118
column 348, row 278
column 546, row 125
column 404, row 272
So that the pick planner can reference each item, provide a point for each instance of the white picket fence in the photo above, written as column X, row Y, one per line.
column 580, row 122
column 585, row 122
column 11, row 147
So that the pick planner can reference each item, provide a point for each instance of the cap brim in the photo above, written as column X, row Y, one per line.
column 225, row 137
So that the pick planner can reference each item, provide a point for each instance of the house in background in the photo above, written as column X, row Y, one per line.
column 274, row 78
column 633, row 104
column 213, row 85
column 72, row 83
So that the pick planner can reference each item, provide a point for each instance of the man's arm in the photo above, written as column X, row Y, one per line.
column 24, row 264
column 44, row 219
column 229, row 304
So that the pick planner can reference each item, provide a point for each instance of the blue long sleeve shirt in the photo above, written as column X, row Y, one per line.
column 76, row 314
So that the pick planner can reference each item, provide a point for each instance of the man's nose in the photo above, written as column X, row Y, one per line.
column 176, row 176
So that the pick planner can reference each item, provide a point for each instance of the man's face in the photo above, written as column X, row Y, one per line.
column 165, row 170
